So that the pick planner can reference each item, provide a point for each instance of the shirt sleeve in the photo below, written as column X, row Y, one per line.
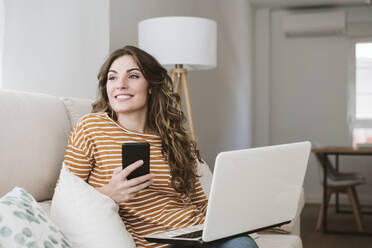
column 78, row 155
column 199, row 198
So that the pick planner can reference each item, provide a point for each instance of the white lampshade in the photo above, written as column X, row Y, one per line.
column 190, row 41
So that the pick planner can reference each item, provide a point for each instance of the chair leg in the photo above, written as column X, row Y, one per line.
column 357, row 200
column 321, row 211
column 356, row 208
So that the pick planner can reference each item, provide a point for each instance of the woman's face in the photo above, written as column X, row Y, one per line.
column 127, row 89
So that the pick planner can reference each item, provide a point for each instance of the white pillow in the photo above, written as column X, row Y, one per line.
column 87, row 217
column 23, row 223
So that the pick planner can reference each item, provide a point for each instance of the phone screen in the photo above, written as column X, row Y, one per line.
column 132, row 152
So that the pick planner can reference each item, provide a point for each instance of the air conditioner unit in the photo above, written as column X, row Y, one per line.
column 314, row 24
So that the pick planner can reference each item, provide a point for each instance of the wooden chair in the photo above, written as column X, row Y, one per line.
column 338, row 182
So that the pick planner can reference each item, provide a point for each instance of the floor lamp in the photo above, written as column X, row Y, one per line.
column 181, row 44
column 179, row 78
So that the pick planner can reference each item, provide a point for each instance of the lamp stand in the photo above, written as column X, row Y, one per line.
column 179, row 79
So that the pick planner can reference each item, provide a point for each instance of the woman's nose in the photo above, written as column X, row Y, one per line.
column 123, row 83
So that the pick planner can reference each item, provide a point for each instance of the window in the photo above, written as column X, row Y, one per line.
column 362, row 119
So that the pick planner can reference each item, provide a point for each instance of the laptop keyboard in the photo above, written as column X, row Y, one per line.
column 191, row 235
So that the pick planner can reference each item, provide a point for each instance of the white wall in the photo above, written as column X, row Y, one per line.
column 220, row 98
column 2, row 26
column 305, row 94
column 55, row 47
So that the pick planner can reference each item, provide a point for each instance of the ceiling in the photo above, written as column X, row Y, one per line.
column 306, row 3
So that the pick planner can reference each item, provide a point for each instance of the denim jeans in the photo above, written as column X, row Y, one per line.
column 238, row 242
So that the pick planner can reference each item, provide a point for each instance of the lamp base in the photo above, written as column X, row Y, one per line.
column 180, row 74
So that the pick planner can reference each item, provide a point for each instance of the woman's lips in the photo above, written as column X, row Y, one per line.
column 123, row 97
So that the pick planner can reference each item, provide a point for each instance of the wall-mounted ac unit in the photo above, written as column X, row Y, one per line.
column 314, row 24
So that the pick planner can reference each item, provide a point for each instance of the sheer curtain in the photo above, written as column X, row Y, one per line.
column 360, row 93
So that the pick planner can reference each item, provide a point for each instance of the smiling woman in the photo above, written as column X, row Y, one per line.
column 148, row 104
column 127, row 92
column 137, row 103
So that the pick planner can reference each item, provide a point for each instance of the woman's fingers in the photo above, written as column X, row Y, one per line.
column 133, row 186
column 130, row 192
column 123, row 189
column 117, row 170
column 139, row 180
column 125, row 173
column 133, row 190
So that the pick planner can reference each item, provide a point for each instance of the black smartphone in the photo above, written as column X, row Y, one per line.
column 132, row 152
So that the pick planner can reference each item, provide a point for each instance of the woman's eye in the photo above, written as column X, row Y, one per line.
column 133, row 76
column 111, row 78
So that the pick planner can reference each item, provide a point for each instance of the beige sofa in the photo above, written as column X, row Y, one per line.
column 34, row 131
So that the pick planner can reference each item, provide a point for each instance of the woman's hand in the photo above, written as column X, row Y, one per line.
column 120, row 189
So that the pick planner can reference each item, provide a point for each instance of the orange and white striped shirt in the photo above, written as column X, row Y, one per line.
column 94, row 151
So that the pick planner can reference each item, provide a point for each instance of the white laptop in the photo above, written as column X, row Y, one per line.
column 252, row 190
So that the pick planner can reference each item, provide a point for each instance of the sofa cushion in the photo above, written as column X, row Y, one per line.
column 205, row 177
column 278, row 240
column 87, row 217
column 294, row 227
column 76, row 108
column 24, row 224
column 34, row 132
column 45, row 205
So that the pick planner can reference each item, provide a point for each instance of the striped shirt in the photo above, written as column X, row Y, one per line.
column 94, row 151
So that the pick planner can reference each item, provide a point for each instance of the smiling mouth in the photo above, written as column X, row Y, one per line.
column 123, row 97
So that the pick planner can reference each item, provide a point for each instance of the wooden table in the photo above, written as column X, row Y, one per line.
column 342, row 150
column 323, row 153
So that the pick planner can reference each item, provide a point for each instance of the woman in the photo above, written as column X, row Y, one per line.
column 136, row 103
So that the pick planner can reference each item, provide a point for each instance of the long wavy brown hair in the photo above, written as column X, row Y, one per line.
column 164, row 117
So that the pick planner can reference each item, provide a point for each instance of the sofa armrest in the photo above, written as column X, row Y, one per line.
column 294, row 226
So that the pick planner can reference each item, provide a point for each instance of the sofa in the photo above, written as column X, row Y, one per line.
column 34, row 131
